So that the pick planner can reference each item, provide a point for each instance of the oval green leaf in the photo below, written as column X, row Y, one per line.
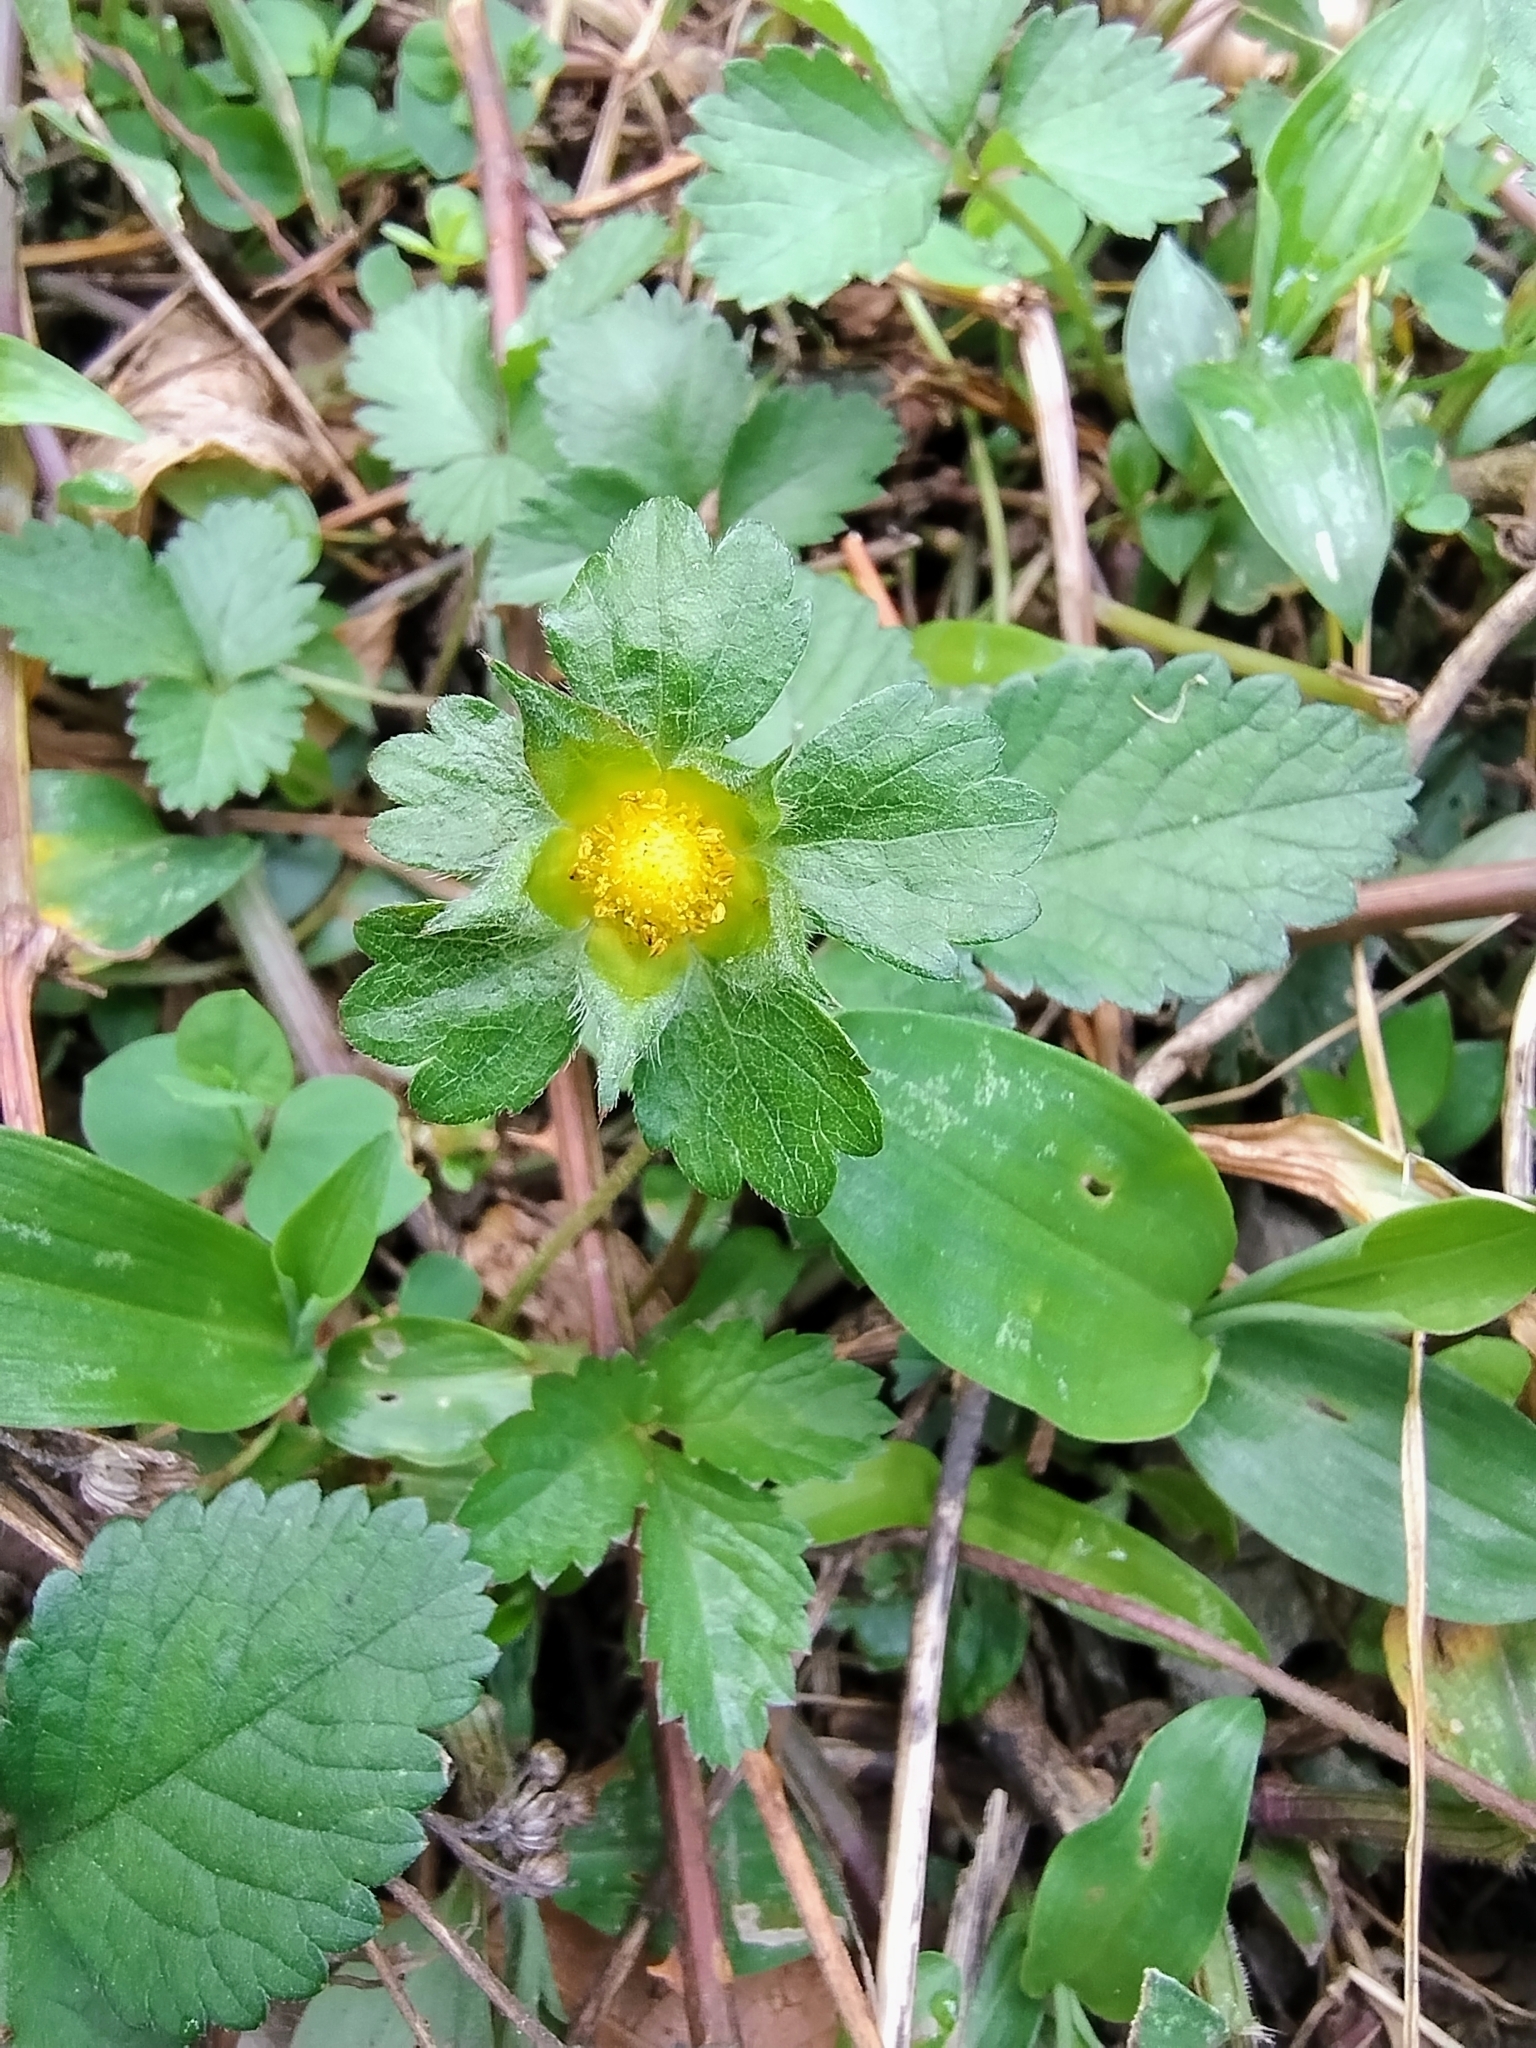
column 1300, row 1437
column 119, row 1304
column 1178, row 316
column 419, row 1388
column 1036, row 1224
column 958, row 652
column 38, row 390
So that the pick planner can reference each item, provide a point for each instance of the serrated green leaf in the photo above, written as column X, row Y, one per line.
column 91, row 602
column 1196, row 821
column 1301, row 446
column 753, row 1081
column 1103, row 112
column 37, row 389
column 857, row 981
column 901, row 838
column 782, row 1408
column 848, row 657
column 485, row 1019
column 814, row 179
column 685, row 645
column 805, row 456
column 200, row 745
column 615, row 254
column 468, row 805
column 653, row 387
column 935, row 56
column 238, row 573
column 569, row 1472
column 724, row 1588
column 183, row 1826
column 109, row 876
column 538, row 549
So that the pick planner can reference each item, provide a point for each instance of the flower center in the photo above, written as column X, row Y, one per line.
column 656, row 865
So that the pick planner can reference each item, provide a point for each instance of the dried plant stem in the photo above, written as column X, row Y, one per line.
column 1463, row 669
column 682, row 163
column 576, row 1224
column 528, row 2024
column 1402, row 903
column 1415, row 1492
column 1056, row 435
column 1389, row 1125
column 865, row 577
column 503, row 190
column 906, row 1864
column 1520, row 1095
column 597, row 169
column 799, row 1874
column 695, row 1898
column 287, row 988
column 394, row 1984
column 667, row 1268
column 1173, row 1058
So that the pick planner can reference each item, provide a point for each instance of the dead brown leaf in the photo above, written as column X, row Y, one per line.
column 558, row 1311
column 787, row 2007
column 1331, row 1162
column 200, row 397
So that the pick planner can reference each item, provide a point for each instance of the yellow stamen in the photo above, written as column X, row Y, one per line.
column 656, row 865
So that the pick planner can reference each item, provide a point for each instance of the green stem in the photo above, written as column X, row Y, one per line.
column 240, row 1463
column 339, row 686
column 993, row 517
column 1163, row 634
column 567, row 1231
column 1069, row 287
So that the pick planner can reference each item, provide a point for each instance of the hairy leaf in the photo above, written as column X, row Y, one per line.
column 806, row 456
column 569, row 1472
column 212, row 1744
column 780, row 1408
column 754, row 1081
column 724, row 1589
column 848, row 657
column 238, row 572
column 686, row 645
column 200, row 745
column 814, row 180
column 1197, row 818
column 935, row 55
column 91, row 602
column 1104, row 113
column 901, row 838
column 652, row 387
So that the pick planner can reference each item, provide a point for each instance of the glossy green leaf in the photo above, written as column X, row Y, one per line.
column 814, row 179
column 1288, row 1883
column 1300, row 445
column 956, row 652
column 1498, row 1365
column 136, row 1117
column 320, row 1125
column 1418, row 1043
column 893, row 1488
column 1474, row 1095
column 1357, row 160
column 184, row 1833
column 37, row 389
column 106, row 872
column 1178, row 316
column 418, row 1388
column 858, row 981
column 1168, row 2016
column 1145, row 1886
column 1036, row 1224
column 1444, row 1267
column 568, row 1474
column 119, row 1304
column 1301, row 1435
column 323, row 1246
column 253, row 55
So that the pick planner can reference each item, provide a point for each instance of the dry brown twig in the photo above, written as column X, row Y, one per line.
column 393, row 1980
column 1056, row 434
column 528, row 2024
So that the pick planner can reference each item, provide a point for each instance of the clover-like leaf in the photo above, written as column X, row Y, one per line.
column 213, row 1749
column 92, row 602
column 815, row 179
column 724, row 1588
column 569, row 1472
column 900, row 836
column 783, row 1408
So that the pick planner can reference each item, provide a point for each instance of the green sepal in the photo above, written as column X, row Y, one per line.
column 486, row 1017
column 685, row 645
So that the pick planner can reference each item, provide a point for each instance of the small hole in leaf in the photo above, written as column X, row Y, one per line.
column 1146, row 1847
column 1099, row 1190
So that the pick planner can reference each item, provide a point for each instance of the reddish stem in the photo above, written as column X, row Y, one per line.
column 502, row 189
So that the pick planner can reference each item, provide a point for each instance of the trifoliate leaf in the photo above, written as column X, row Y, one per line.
column 469, row 806
column 685, row 645
column 91, row 602
column 650, row 387
column 756, row 1082
column 238, row 572
column 782, row 1408
column 724, row 1588
column 806, row 456
column 212, row 1747
column 438, row 414
column 935, row 55
column 849, row 656
column 1104, row 113
column 569, row 1472
column 815, row 179
column 485, row 1017
column 1197, row 818
column 200, row 744
column 900, row 836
